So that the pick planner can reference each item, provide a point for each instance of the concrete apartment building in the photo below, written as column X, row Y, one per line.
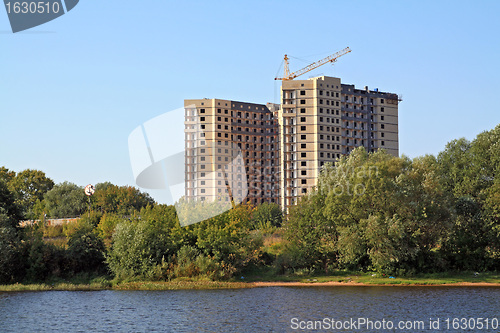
column 283, row 147
column 231, row 151
column 322, row 119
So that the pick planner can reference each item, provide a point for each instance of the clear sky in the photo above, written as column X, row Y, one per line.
column 72, row 90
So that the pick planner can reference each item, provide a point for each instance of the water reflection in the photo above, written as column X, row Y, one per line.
column 237, row 310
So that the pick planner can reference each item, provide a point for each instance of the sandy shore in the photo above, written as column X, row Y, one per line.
column 356, row 284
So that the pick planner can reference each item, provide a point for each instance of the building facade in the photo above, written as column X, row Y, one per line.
column 322, row 119
column 283, row 147
column 231, row 151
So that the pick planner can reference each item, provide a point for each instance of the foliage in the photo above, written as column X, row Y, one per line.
column 65, row 200
column 10, row 256
column 266, row 216
column 29, row 186
column 141, row 245
column 122, row 200
column 369, row 212
column 86, row 252
column 107, row 225
column 9, row 211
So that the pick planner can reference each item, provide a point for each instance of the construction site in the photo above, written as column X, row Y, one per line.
column 274, row 152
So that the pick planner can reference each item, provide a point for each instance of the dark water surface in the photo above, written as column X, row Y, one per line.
column 270, row 309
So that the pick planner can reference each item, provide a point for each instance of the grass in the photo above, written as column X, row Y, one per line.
column 262, row 274
column 85, row 283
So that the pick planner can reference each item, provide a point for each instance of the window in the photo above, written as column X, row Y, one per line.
column 302, row 92
column 381, row 117
column 383, row 143
column 382, row 109
column 202, row 182
column 303, row 145
column 381, row 101
column 303, row 155
column 302, row 110
column 302, row 101
column 303, row 163
column 382, row 134
column 321, row 92
column 302, row 119
column 303, row 172
column 202, row 110
column 304, row 181
column 202, row 118
column 302, row 128
column 382, row 126
column 302, row 137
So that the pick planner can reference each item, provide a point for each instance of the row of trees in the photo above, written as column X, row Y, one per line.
column 128, row 236
column 369, row 212
column 389, row 214
column 34, row 195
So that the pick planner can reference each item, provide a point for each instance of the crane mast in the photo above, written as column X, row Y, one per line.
column 331, row 58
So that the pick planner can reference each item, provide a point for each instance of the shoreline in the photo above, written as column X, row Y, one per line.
column 212, row 285
column 363, row 284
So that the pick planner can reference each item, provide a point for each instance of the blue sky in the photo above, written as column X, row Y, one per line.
column 72, row 90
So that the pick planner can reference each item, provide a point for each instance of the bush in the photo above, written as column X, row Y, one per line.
column 86, row 252
column 138, row 247
column 9, row 258
column 107, row 225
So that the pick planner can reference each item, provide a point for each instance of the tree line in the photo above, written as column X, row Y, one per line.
column 369, row 212
column 401, row 215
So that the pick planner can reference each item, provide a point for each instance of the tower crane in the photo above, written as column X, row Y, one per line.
column 331, row 58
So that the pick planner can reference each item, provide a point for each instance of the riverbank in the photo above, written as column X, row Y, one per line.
column 491, row 279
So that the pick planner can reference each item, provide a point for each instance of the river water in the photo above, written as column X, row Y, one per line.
column 268, row 309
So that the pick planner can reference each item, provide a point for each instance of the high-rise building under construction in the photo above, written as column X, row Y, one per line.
column 282, row 147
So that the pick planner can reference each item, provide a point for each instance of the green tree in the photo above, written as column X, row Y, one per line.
column 141, row 245
column 65, row 200
column 6, row 174
column 267, row 215
column 28, row 187
column 123, row 200
column 86, row 252
column 9, row 211
column 372, row 211
column 107, row 225
column 10, row 262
